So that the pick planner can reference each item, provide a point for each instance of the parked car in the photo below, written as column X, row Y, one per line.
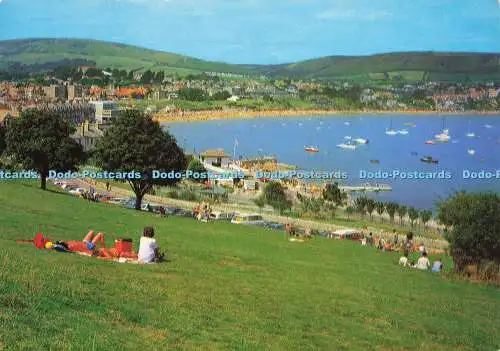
column 351, row 234
column 255, row 219
column 225, row 216
column 76, row 191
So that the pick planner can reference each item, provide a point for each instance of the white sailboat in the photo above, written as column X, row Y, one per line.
column 469, row 133
column 444, row 136
column 403, row 131
column 471, row 151
column 390, row 130
column 361, row 141
column 347, row 146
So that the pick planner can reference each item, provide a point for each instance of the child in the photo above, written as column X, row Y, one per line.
column 437, row 266
column 423, row 262
column 403, row 261
column 149, row 251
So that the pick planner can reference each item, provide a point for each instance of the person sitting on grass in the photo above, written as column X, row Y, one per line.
column 423, row 262
column 437, row 266
column 403, row 261
column 149, row 252
column 308, row 233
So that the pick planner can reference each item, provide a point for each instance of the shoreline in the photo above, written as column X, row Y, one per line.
column 197, row 116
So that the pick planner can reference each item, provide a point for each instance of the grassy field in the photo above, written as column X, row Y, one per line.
column 227, row 287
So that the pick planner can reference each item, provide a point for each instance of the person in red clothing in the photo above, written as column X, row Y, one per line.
column 89, row 243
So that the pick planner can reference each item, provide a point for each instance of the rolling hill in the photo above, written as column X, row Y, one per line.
column 41, row 54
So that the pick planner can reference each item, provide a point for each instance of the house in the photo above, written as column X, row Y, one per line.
column 216, row 158
column 87, row 135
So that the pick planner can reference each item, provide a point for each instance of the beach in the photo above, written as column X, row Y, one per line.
column 192, row 116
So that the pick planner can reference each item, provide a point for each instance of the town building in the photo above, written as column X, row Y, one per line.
column 216, row 158
column 75, row 92
column 87, row 135
column 106, row 111
column 55, row 92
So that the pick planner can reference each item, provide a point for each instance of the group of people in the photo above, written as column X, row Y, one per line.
column 202, row 211
column 94, row 245
column 291, row 231
column 420, row 261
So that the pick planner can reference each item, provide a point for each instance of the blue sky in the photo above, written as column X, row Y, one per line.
column 263, row 31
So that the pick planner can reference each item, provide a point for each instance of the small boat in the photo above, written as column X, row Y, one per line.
column 429, row 159
column 403, row 132
column 430, row 142
column 390, row 130
column 311, row 149
column 471, row 151
column 347, row 123
column 347, row 137
column 410, row 124
column 361, row 141
column 376, row 162
column 469, row 133
column 347, row 146
column 488, row 126
column 444, row 136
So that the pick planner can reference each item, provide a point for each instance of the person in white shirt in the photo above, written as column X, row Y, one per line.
column 403, row 261
column 149, row 251
column 423, row 262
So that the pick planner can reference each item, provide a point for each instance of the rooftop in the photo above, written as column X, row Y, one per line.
column 215, row 153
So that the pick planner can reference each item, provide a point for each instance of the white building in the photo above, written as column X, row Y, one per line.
column 106, row 111
column 217, row 158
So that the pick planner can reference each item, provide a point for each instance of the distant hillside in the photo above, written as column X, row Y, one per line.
column 44, row 54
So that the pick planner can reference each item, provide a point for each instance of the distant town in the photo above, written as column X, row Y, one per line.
column 93, row 97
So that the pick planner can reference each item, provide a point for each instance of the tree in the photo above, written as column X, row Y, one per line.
column 349, row 211
column 380, row 207
column 2, row 138
column 332, row 193
column 147, row 77
column 221, row 95
column 159, row 77
column 192, row 94
column 360, row 204
column 274, row 195
column 425, row 216
column 475, row 226
column 413, row 214
column 135, row 142
column 391, row 209
column 260, row 202
column 40, row 140
column 370, row 207
column 402, row 210
column 197, row 167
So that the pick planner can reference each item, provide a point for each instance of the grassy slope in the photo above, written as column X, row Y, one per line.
column 227, row 288
column 444, row 66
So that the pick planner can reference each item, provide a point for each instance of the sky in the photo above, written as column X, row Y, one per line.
column 263, row 31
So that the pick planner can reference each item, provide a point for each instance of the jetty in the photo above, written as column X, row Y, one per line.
column 365, row 188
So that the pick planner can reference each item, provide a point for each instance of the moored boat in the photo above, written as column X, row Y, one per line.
column 347, row 146
column 311, row 149
column 429, row 159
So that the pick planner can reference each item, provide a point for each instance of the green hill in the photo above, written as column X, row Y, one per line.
column 43, row 53
column 227, row 287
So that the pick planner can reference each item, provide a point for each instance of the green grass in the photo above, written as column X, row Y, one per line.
column 227, row 287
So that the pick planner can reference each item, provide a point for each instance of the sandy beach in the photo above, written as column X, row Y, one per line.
column 192, row 116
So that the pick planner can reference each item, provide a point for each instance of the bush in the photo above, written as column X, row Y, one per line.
column 173, row 194
column 188, row 195
column 475, row 227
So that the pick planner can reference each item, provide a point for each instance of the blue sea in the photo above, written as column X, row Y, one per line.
column 285, row 138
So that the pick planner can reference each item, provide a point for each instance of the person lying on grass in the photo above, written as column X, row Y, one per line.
column 89, row 246
column 149, row 252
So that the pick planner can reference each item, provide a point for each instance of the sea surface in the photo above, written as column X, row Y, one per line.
column 286, row 137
